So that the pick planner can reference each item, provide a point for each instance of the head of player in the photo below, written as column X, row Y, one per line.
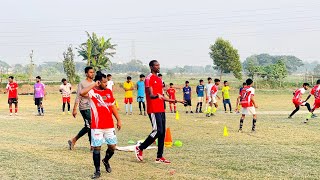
column 244, row 84
column 249, row 82
column 154, row 67
column 129, row 79
column 209, row 80
column 89, row 71
column 10, row 79
column 142, row 77
column 171, row 85
column 102, row 78
column 201, row 82
column 187, row 83
column 64, row 81
column 109, row 77
column 225, row 83
column 306, row 85
column 160, row 76
column 38, row 79
column 217, row 82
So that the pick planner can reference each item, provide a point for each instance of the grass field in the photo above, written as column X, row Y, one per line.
column 36, row 147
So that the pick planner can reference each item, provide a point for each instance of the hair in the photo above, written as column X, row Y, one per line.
column 86, row 70
column 187, row 82
column 99, row 76
column 151, row 63
column 38, row 77
column 225, row 82
column 200, row 80
column 171, row 84
column 216, row 80
column 244, row 83
column 209, row 78
column 159, row 75
column 109, row 75
column 11, row 77
column 142, row 76
column 128, row 78
column 63, row 80
column 249, row 82
column 306, row 84
column 318, row 81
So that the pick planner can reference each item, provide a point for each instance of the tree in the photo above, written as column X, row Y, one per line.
column 69, row 66
column 316, row 70
column 170, row 74
column 276, row 72
column 4, row 68
column 226, row 58
column 252, row 68
column 96, row 51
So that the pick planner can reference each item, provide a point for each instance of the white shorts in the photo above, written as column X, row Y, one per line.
column 214, row 100
column 100, row 136
column 249, row 110
column 200, row 99
column 208, row 99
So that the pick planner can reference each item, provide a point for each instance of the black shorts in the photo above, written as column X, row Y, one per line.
column 187, row 103
column 12, row 101
column 38, row 101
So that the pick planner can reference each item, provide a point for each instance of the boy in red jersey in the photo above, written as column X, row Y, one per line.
column 12, row 90
column 297, row 101
column 171, row 93
column 156, row 112
column 247, row 101
column 315, row 91
column 103, row 107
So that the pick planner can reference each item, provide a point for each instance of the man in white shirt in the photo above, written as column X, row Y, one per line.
column 65, row 89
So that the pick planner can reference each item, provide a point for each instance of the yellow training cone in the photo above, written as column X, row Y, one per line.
column 225, row 131
column 177, row 115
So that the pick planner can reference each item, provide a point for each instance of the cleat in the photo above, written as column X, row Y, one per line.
column 200, row 111
column 306, row 121
column 96, row 175
column 289, row 117
column 163, row 160
column 106, row 165
column 240, row 130
column 71, row 145
column 253, row 130
column 69, row 113
column 191, row 112
column 174, row 111
column 186, row 112
column 313, row 116
column 140, row 113
column 138, row 153
column 10, row 114
column 144, row 113
column 226, row 112
column 231, row 112
column 130, row 113
column 16, row 114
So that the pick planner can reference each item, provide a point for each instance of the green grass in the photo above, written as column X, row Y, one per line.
column 36, row 147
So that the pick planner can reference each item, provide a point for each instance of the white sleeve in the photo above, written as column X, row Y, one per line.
column 252, row 91
column 91, row 93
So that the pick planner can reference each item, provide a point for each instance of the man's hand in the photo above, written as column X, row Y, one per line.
column 74, row 113
column 256, row 106
column 119, row 125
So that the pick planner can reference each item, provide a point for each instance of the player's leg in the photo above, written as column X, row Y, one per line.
column 190, row 106
column 208, row 112
column 97, row 140
column 294, row 111
column 225, row 105
column 16, row 107
column 229, row 102
column 310, row 112
column 207, row 103
column 144, row 107
column 126, row 104
column 198, row 104
column 201, row 101
column 186, row 106
column 252, row 110
column 161, row 124
column 111, row 139
column 241, row 121
column 170, row 106
column 151, row 138
column 140, row 105
column 10, row 106
column 41, row 106
column 130, row 102
column 86, row 115
column 68, row 101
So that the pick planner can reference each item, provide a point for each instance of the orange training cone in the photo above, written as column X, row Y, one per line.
column 168, row 138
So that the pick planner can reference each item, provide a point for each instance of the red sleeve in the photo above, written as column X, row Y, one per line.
column 111, row 96
column 312, row 91
column 149, row 82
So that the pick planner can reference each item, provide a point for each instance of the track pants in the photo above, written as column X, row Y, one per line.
column 158, row 122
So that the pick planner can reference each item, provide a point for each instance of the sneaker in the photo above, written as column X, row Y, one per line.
column 191, row 112
column 10, row 114
column 212, row 114
column 289, row 117
column 42, row 114
column 69, row 113
column 126, row 113
column 187, row 112
column 96, row 175
column 145, row 113
column 162, row 160
column 106, row 165
column 71, row 145
column 313, row 116
column 240, row 130
column 175, row 111
column 130, row 113
column 16, row 114
column 226, row 112
column 231, row 111
column 305, row 121
column 253, row 130
column 63, row 113
column 197, row 111
column 200, row 111
column 138, row 153
column 140, row 113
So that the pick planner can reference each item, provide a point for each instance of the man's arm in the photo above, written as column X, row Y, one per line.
column 308, row 97
column 254, row 102
column 76, row 102
column 116, row 115
column 84, row 91
column 238, row 101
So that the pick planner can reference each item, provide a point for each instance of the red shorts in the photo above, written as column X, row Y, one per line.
column 66, row 99
column 298, row 102
column 128, row 100
column 316, row 103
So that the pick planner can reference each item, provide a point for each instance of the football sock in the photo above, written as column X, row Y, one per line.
column 130, row 107
column 63, row 107
column 144, row 106
column 68, row 106
column 200, row 106
column 140, row 106
column 241, row 123
column 42, row 111
column 126, row 107
column 254, row 124
column 16, row 110
column 230, row 107
column 96, row 159
column 39, row 110
column 109, row 154
column 294, row 111
column 174, row 107
column 10, row 110
column 308, row 107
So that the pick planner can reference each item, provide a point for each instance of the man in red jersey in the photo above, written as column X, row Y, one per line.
column 248, row 103
column 171, row 93
column 297, row 101
column 156, row 112
column 103, row 107
column 12, row 90
column 315, row 91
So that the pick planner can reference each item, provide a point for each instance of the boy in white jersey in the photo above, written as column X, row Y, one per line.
column 65, row 89
column 207, row 91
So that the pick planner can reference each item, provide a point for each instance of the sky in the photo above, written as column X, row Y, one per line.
column 176, row 33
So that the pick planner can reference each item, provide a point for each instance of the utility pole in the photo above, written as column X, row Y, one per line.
column 31, row 66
